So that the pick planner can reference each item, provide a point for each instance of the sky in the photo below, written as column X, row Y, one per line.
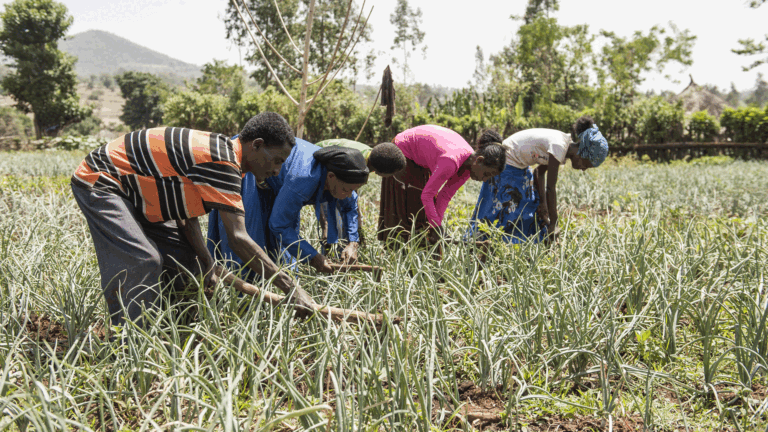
column 193, row 31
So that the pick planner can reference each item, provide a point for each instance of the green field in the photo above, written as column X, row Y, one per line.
column 651, row 312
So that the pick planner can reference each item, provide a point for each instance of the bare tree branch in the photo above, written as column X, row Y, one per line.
column 352, row 48
column 269, row 44
column 333, row 61
column 369, row 115
column 303, row 106
column 269, row 66
column 280, row 14
column 338, row 42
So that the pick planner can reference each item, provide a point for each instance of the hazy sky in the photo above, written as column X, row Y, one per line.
column 193, row 31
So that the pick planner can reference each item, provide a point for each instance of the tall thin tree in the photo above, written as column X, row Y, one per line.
column 407, row 24
column 348, row 36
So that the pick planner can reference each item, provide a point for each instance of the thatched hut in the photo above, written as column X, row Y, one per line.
column 697, row 98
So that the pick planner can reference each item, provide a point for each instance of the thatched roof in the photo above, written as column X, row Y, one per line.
column 696, row 98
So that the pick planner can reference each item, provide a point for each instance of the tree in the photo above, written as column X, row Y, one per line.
column 220, row 79
column 749, row 47
column 760, row 95
column 480, row 76
column 624, row 62
column 407, row 22
column 734, row 96
column 547, row 62
column 346, row 40
column 277, row 20
column 144, row 96
column 43, row 80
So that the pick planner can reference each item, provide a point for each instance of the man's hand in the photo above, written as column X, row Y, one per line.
column 302, row 303
column 543, row 213
column 349, row 254
column 321, row 264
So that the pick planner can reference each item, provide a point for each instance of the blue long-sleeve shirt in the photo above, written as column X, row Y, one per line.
column 302, row 182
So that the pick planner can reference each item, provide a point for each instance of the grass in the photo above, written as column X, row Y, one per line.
column 651, row 313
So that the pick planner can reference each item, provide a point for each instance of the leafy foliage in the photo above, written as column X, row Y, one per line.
column 746, row 124
column 759, row 96
column 91, row 125
column 144, row 96
column 43, row 80
column 750, row 48
column 14, row 124
column 703, row 127
column 658, row 121
column 220, row 79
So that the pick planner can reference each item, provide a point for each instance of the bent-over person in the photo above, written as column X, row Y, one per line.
column 438, row 162
column 384, row 160
column 142, row 193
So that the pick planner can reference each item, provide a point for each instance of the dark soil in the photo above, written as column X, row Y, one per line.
column 43, row 329
column 483, row 411
column 584, row 423
column 483, row 408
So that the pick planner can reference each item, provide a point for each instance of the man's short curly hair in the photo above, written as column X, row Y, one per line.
column 582, row 124
column 269, row 126
column 387, row 158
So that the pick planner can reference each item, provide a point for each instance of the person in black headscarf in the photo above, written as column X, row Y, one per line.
column 312, row 175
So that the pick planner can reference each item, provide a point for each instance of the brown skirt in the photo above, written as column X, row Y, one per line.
column 401, row 207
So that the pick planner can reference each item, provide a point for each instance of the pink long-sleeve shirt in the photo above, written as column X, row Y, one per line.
column 442, row 151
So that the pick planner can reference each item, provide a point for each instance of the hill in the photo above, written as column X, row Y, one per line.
column 100, row 52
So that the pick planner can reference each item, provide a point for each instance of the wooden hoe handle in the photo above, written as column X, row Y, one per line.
column 377, row 271
column 336, row 314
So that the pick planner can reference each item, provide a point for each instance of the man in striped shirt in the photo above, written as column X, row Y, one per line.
column 142, row 193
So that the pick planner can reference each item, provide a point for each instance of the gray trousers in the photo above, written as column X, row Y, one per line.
column 135, row 256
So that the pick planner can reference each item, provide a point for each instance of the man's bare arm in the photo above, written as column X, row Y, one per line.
column 192, row 231
column 250, row 252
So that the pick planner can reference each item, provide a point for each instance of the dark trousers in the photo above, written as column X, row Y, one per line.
column 134, row 255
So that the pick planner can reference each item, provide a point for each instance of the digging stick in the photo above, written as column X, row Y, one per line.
column 377, row 271
column 336, row 314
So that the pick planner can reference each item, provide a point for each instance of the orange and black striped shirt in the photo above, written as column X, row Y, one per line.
column 168, row 173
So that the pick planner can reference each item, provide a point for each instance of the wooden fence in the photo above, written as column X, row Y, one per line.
column 672, row 151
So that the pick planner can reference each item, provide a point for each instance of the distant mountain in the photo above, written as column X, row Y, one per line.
column 101, row 52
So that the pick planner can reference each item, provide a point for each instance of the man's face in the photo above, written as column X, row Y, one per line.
column 267, row 161
column 580, row 163
column 338, row 188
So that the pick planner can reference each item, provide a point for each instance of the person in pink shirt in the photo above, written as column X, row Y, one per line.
column 438, row 162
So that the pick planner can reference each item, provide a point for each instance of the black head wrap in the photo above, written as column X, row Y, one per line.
column 348, row 164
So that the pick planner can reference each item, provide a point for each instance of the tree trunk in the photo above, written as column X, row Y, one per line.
column 38, row 129
column 305, row 72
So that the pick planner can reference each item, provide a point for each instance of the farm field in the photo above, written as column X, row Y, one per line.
column 650, row 314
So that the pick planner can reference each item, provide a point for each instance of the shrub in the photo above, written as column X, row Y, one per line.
column 746, row 124
column 14, row 124
column 91, row 125
column 194, row 110
column 657, row 121
column 703, row 127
